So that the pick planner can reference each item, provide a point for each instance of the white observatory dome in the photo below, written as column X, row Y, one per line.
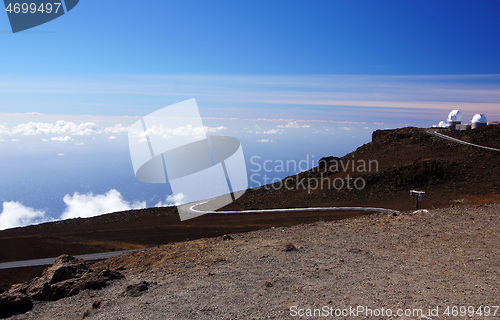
column 442, row 124
column 479, row 118
column 455, row 116
column 478, row 121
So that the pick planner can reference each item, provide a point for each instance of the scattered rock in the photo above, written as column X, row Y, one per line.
column 205, row 309
column 14, row 303
column 98, row 304
column 65, row 267
column 135, row 290
column 66, row 277
column 290, row 247
column 421, row 211
column 219, row 259
column 227, row 237
column 268, row 284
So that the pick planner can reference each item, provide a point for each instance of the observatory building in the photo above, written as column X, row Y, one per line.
column 454, row 121
column 454, row 118
column 479, row 120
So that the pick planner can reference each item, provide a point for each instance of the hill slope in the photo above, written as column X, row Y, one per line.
column 395, row 162
column 400, row 160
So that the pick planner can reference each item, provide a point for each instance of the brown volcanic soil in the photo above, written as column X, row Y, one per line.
column 485, row 136
column 130, row 230
column 407, row 158
column 440, row 257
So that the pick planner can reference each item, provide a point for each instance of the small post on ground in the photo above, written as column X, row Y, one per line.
column 419, row 194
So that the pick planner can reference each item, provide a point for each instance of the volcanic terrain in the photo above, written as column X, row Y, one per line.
column 407, row 158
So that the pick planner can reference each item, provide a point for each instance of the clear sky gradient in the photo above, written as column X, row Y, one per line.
column 104, row 43
column 260, row 37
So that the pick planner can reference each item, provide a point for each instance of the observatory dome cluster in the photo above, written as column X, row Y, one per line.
column 454, row 121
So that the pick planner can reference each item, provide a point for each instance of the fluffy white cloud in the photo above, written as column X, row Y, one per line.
column 60, row 127
column 88, row 205
column 4, row 130
column 172, row 200
column 62, row 139
column 15, row 214
column 117, row 128
column 112, row 138
column 271, row 131
column 179, row 131
column 264, row 140
column 293, row 125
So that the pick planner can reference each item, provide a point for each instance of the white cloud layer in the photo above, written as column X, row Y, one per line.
column 15, row 214
column 293, row 125
column 179, row 131
column 62, row 139
column 172, row 200
column 117, row 128
column 60, row 127
column 88, row 205
column 272, row 131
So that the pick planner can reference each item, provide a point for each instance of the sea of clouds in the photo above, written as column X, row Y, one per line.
column 15, row 214
column 85, row 162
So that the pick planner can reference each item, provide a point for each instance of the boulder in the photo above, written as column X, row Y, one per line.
column 65, row 267
column 137, row 289
column 66, row 277
column 14, row 303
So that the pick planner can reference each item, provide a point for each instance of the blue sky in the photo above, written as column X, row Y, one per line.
column 290, row 79
column 260, row 37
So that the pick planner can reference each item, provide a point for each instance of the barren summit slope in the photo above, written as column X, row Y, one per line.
column 407, row 158
column 440, row 258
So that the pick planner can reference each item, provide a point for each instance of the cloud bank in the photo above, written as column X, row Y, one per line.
column 15, row 214
column 88, row 205
column 172, row 200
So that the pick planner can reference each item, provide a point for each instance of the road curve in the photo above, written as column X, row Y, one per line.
column 436, row 133
column 187, row 208
column 49, row 261
column 190, row 208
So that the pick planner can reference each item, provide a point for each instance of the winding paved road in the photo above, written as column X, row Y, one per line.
column 187, row 209
column 49, row 261
column 436, row 133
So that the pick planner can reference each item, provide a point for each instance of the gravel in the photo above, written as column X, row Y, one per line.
column 430, row 258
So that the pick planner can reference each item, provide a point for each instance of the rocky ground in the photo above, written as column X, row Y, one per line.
column 436, row 258
column 407, row 158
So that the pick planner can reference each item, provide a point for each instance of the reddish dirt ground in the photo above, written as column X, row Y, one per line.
column 125, row 230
